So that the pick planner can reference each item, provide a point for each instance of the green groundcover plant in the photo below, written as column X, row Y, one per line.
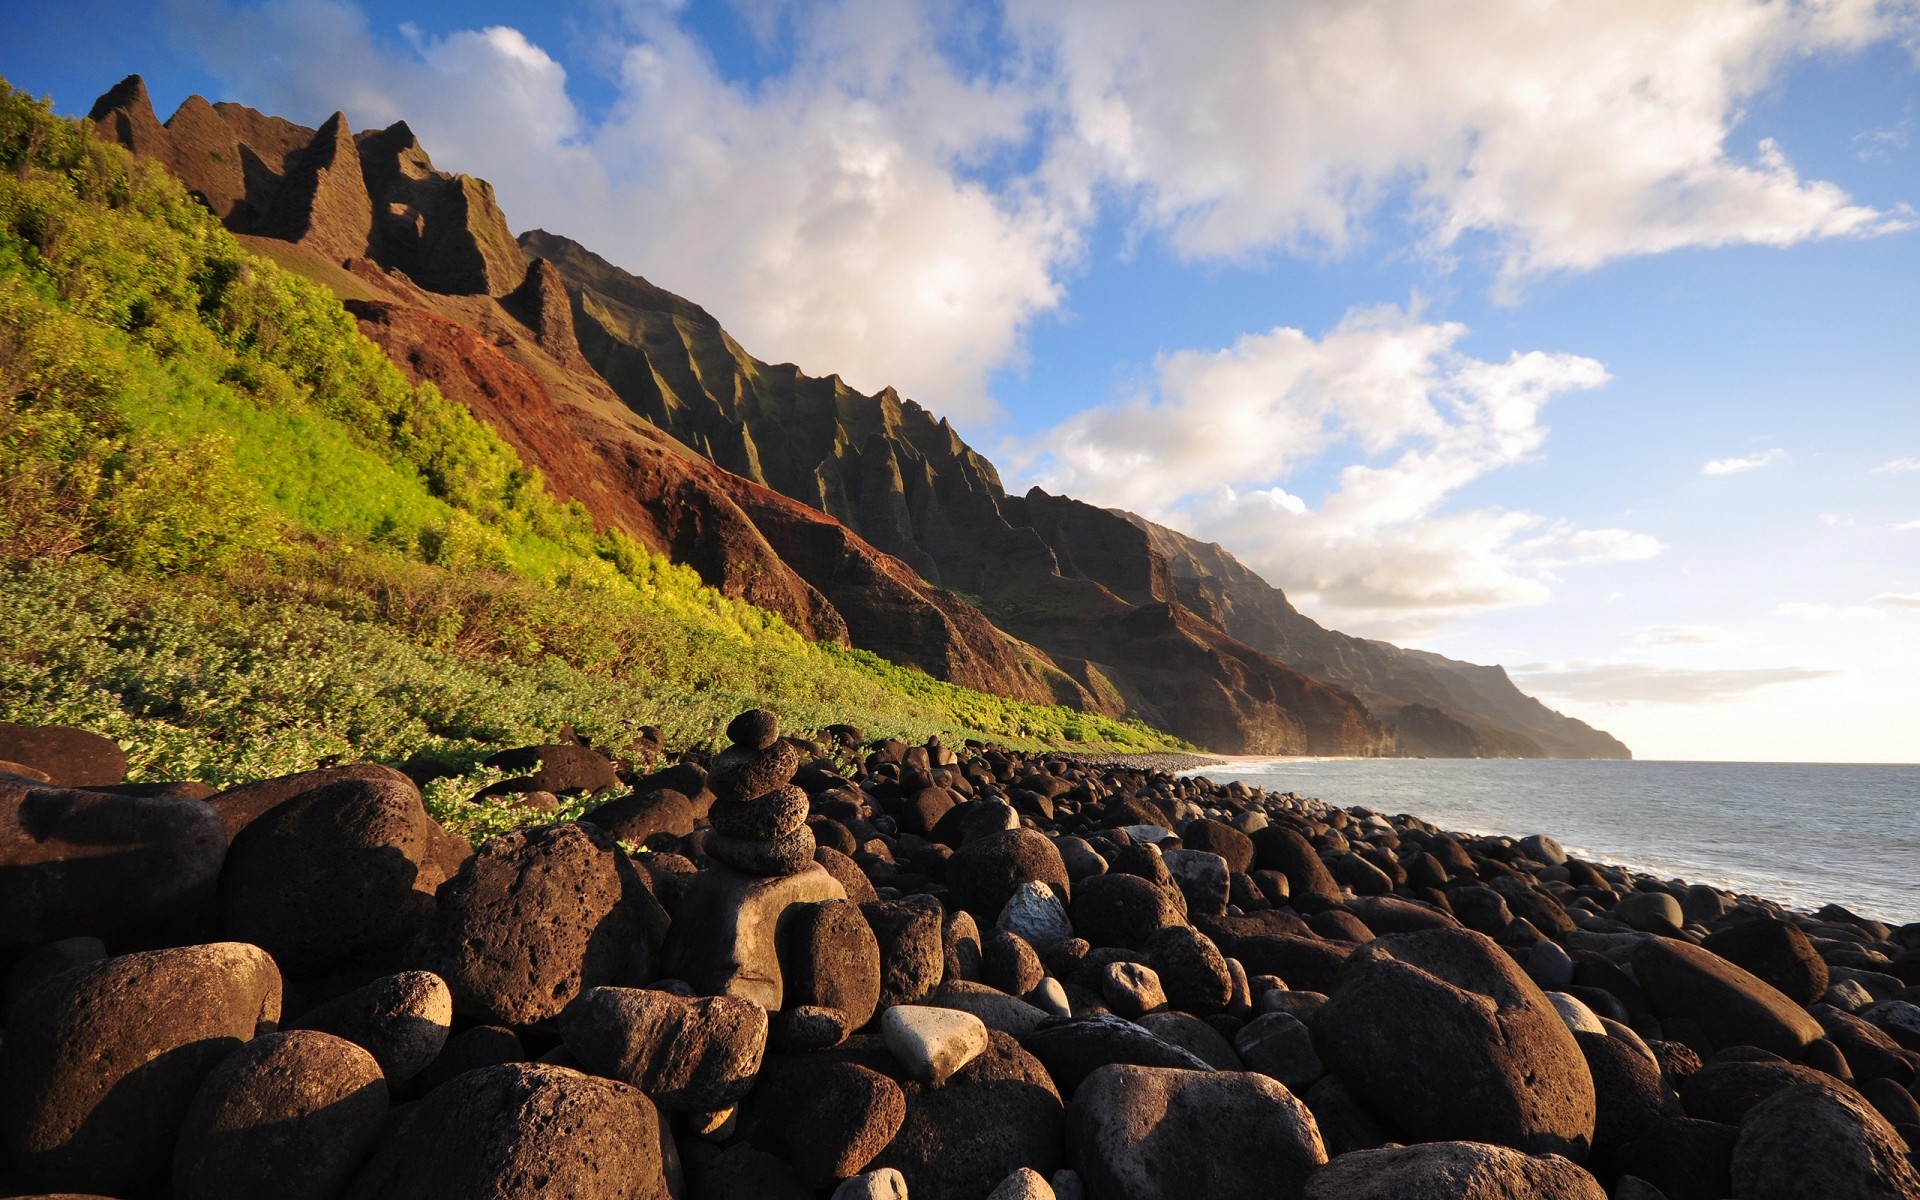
column 234, row 537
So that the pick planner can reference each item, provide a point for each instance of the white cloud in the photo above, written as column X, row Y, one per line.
column 1737, row 466
column 1835, row 520
column 1900, row 600
column 1209, row 448
column 827, row 216
column 1907, row 526
column 1898, row 465
column 1646, row 683
column 1569, row 133
column 884, row 206
column 1680, row 635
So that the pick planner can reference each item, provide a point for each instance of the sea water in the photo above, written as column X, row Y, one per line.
column 1804, row 834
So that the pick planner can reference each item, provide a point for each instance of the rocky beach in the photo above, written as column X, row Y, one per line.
column 828, row 967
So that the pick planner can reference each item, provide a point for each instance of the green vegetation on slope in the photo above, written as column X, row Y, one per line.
column 234, row 537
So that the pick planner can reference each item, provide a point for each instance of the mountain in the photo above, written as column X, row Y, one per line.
column 862, row 519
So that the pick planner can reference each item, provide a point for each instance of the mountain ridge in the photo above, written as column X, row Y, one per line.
column 862, row 519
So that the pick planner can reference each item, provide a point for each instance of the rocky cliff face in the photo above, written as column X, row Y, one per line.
column 864, row 520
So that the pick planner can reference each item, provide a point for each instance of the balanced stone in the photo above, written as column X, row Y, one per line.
column 766, row 818
column 725, row 938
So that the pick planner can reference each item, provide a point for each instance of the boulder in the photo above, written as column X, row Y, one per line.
column 562, row 768
column 534, row 918
column 1131, row 989
column 1733, row 1007
column 328, row 875
column 1442, row 1038
column 119, row 868
column 1777, row 952
column 71, row 758
column 835, row 1117
column 1630, row 1094
column 1150, row 1133
column 727, row 930
column 520, row 1129
column 1306, row 964
column 1278, row 848
column 1195, row 1036
column 687, row 1054
column 1820, row 1142
column 402, row 1020
column 1218, row 837
column 238, row 807
column 1726, row 1090
column 1122, row 910
column 995, row 1115
column 912, row 954
column 288, row 1115
column 1035, row 913
column 1192, row 971
column 983, row 875
column 1009, row 962
column 995, row 1008
column 830, row 959
column 1452, row 1171
column 633, row 819
column 1072, row 1048
column 1280, row 1045
column 100, row 1064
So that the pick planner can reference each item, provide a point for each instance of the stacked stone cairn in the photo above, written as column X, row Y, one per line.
column 857, row 970
column 759, row 818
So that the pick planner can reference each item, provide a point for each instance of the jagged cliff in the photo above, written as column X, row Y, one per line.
column 861, row 519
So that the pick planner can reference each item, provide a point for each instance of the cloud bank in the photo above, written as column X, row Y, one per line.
column 1206, row 448
column 1642, row 683
column 911, row 187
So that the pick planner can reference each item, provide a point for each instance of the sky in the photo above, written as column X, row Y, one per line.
column 1575, row 337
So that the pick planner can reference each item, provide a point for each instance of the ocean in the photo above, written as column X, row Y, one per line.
column 1804, row 834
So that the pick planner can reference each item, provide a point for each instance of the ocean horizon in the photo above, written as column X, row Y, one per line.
column 1800, row 834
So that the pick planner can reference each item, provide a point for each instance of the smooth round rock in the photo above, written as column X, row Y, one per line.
column 1191, row 970
column 329, row 874
column 1733, row 1007
column 1035, row 913
column 1820, row 1142
column 107, row 866
column 289, row 1115
column 534, row 918
column 1009, row 962
column 984, row 875
column 998, row 1113
column 884, row 1184
column 1777, row 952
column 1072, row 1048
column 69, row 757
column 633, row 819
column 520, row 1129
column 100, row 1064
column 1654, row 912
column 912, row 950
column 1122, row 910
column 1231, row 1133
column 402, row 1020
column 687, row 1054
column 1280, row 1045
column 754, row 729
column 1495, row 1062
column 1452, row 1171
column 836, row 1117
column 932, row 1043
column 831, row 959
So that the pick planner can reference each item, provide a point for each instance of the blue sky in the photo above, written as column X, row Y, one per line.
column 1577, row 338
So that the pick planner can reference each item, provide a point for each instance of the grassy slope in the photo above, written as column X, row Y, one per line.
column 233, row 536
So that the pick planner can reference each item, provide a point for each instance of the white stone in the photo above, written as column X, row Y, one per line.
column 884, row 1184
column 932, row 1043
column 1578, row 1017
column 1152, row 835
column 1037, row 915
